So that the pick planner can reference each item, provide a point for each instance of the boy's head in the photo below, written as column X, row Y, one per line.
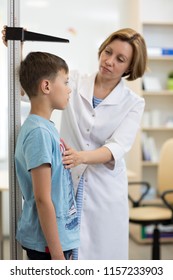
column 38, row 66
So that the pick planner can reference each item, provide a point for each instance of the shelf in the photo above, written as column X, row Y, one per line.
column 161, row 57
column 135, row 234
column 157, row 122
column 149, row 163
column 157, row 23
column 157, row 93
column 157, row 128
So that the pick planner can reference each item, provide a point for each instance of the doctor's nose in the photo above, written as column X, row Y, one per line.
column 109, row 61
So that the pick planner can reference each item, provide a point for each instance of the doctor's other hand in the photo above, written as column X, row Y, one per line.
column 71, row 158
column 4, row 35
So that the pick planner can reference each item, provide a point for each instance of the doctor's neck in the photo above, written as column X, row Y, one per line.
column 105, row 83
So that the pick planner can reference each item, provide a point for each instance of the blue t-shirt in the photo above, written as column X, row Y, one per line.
column 39, row 143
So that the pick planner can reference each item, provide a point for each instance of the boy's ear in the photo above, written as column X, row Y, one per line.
column 45, row 86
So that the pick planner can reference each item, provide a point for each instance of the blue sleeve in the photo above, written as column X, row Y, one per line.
column 37, row 148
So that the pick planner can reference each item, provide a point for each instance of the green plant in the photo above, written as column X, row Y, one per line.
column 170, row 81
column 170, row 75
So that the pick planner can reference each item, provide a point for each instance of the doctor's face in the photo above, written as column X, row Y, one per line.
column 115, row 60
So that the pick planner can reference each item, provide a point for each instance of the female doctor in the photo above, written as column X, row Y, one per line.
column 100, row 123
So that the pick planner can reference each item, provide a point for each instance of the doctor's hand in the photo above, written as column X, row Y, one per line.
column 71, row 158
column 4, row 35
column 6, row 44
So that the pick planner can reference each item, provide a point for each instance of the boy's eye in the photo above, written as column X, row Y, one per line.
column 66, row 83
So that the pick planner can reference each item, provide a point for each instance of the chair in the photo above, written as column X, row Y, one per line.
column 151, row 214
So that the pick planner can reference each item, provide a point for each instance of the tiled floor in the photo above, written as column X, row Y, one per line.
column 136, row 251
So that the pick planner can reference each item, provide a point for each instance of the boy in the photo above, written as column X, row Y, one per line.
column 48, row 227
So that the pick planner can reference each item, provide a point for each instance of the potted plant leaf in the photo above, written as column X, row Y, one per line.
column 170, row 81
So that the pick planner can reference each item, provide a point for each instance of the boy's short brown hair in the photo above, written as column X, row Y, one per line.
column 37, row 66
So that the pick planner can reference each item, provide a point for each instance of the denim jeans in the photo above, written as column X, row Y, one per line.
column 35, row 255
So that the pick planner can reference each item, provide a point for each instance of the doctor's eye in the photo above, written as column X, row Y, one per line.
column 121, row 59
column 108, row 52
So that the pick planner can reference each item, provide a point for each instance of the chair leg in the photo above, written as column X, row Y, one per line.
column 1, row 250
column 156, row 245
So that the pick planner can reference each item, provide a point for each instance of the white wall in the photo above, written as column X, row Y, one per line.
column 156, row 10
column 90, row 20
column 3, row 83
column 85, row 23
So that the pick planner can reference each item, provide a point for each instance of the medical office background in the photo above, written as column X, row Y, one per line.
column 86, row 24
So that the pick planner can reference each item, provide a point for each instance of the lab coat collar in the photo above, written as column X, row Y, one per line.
column 86, row 90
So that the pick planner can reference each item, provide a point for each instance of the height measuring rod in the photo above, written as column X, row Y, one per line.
column 15, row 35
column 14, row 123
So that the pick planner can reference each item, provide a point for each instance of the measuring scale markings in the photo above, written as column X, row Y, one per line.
column 14, row 120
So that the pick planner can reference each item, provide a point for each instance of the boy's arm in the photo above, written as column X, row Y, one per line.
column 41, row 178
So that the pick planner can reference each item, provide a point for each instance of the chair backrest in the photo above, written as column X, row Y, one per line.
column 165, row 168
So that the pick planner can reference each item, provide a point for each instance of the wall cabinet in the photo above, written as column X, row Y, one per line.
column 157, row 123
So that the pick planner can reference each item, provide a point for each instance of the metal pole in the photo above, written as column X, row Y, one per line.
column 14, row 123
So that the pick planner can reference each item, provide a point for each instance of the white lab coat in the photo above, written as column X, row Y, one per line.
column 114, row 122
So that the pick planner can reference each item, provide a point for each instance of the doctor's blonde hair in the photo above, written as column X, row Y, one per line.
column 139, row 58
